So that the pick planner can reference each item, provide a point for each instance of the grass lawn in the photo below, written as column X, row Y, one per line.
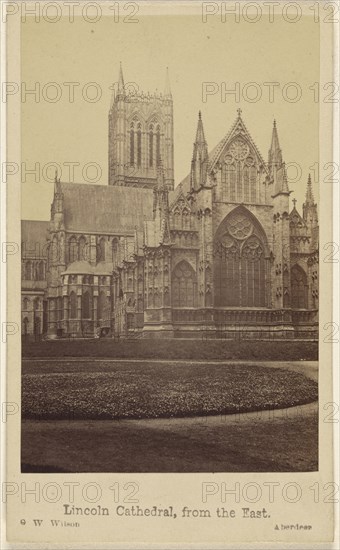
column 290, row 350
column 186, row 445
column 115, row 390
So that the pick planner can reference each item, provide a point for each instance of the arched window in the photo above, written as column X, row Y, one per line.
column 158, row 144
column 132, row 144
column 85, row 306
column 53, row 250
column 101, row 250
column 151, row 163
column 103, row 304
column 28, row 271
column 25, row 324
column 73, row 305
column 139, row 144
column 73, row 250
column 239, row 173
column 41, row 270
column 114, row 247
column 183, row 285
column 25, row 305
column 228, row 179
column 36, row 304
column 239, row 262
column 186, row 218
column 82, row 249
column 299, row 288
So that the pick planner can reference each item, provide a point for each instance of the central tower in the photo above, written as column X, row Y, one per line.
column 140, row 135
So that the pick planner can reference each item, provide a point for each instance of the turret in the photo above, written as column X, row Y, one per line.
column 161, row 206
column 275, row 153
column 136, row 141
column 277, row 167
column 200, row 158
column 117, row 133
column 309, row 207
column 57, row 207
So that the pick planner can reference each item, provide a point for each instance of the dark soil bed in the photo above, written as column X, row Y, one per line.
column 134, row 390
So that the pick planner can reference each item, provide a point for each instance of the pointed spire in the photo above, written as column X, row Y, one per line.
column 121, row 87
column 199, row 163
column 275, row 153
column 167, row 89
column 200, row 139
column 309, row 207
column 309, row 192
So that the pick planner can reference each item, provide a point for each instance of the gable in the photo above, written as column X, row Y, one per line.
column 239, row 143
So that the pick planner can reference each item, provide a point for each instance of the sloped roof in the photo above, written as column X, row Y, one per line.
column 33, row 231
column 296, row 217
column 105, row 209
column 34, row 238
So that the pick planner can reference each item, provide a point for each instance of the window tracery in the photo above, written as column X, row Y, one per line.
column 239, row 173
column 240, row 265
column 183, row 286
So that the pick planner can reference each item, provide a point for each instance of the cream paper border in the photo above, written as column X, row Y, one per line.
column 169, row 489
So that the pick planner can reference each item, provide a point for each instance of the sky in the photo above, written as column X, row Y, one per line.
column 225, row 54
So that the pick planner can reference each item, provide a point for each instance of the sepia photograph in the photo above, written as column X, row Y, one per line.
column 170, row 268
column 169, row 246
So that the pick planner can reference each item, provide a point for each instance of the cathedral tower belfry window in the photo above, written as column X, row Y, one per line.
column 140, row 134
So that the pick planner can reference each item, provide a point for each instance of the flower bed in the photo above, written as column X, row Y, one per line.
column 134, row 390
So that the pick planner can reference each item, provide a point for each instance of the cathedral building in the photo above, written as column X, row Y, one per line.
column 218, row 255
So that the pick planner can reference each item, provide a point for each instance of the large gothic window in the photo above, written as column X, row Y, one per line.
column 299, row 288
column 82, row 249
column 101, row 250
column 139, row 145
column 158, row 144
column 183, row 286
column 151, row 163
column 154, row 137
column 41, row 270
column 73, row 250
column 239, row 262
column 132, row 144
column 114, row 249
column 135, row 142
column 28, row 271
column 239, row 173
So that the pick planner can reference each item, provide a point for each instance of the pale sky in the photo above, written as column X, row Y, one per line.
column 195, row 53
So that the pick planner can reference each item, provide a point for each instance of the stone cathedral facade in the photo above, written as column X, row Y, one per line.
column 220, row 254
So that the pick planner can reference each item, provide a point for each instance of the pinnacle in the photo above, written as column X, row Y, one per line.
column 120, row 79
column 309, row 191
column 200, row 138
column 275, row 153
